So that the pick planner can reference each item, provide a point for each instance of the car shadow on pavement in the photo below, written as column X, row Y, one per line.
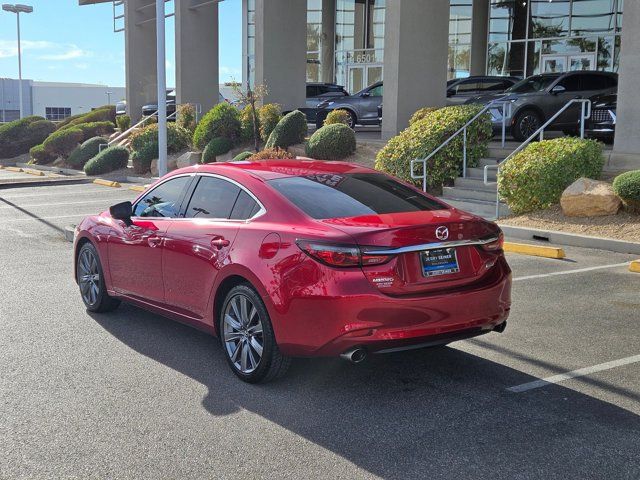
column 419, row 414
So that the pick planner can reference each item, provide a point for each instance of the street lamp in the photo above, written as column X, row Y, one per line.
column 108, row 94
column 18, row 8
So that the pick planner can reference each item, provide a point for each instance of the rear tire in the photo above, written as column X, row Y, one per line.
column 247, row 337
column 90, row 278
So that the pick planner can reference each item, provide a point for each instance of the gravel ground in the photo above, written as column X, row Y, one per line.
column 623, row 226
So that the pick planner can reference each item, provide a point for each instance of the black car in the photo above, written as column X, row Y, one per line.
column 152, row 108
column 318, row 93
column 602, row 122
column 121, row 108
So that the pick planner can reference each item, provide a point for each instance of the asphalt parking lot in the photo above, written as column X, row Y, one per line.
column 132, row 395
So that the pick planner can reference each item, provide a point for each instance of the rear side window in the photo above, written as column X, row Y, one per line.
column 351, row 195
column 596, row 82
column 212, row 198
column 162, row 201
column 495, row 85
column 245, row 207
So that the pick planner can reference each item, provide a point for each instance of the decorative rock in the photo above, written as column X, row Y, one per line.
column 589, row 198
column 189, row 158
column 171, row 164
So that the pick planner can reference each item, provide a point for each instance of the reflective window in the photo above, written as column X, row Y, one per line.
column 245, row 207
column 594, row 16
column 212, row 198
column 549, row 19
column 376, row 91
column 57, row 113
column 162, row 201
column 572, row 83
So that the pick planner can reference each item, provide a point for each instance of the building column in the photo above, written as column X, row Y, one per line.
column 281, row 51
column 140, row 56
column 328, row 45
column 479, row 36
column 626, row 147
column 415, row 59
column 197, row 77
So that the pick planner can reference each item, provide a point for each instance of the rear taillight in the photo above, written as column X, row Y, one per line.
column 340, row 255
column 496, row 245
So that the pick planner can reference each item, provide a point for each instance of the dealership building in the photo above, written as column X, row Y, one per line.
column 413, row 45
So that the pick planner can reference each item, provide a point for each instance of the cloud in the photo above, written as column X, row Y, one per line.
column 9, row 48
column 225, row 70
column 51, row 51
column 65, row 52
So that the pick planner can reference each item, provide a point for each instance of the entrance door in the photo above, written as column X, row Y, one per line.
column 363, row 75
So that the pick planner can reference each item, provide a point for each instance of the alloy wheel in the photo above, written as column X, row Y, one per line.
column 89, row 277
column 242, row 334
column 529, row 124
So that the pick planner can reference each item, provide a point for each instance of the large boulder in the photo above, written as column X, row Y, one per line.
column 189, row 158
column 589, row 198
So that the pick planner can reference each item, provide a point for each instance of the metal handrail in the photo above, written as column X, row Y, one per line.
column 585, row 113
column 126, row 133
column 506, row 109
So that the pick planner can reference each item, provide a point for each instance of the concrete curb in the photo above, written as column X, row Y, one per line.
column 46, row 168
column 635, row 266
column 138, row 188
column 106, row 183
column 571, row 239
column 143, row 180
column 534, row 250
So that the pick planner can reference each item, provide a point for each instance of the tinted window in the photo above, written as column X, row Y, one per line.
column 163, row 201
column 376, row 91
column 245, row 207
column 351, row 195
column 495, row 85
column 594, row 82
column 571, row 83
column 467, row 87
column 212, row 198
column 537, row 83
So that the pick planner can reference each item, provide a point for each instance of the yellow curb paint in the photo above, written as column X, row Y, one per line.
column 534, row 250
column 635, row 266
column 13, row 169
column 137, row 188
column 106, row 183
column 32, row 171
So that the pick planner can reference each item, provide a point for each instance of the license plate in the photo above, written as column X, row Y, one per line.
column 441, row 261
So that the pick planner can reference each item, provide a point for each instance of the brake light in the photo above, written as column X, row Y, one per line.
column 340, row 255
column 496, row 245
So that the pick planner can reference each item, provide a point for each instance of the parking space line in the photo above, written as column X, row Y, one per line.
column 581, row 372
column 569, row 272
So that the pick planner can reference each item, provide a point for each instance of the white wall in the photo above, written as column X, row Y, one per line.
column 79, row 97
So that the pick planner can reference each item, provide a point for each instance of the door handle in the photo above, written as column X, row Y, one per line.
column 220, row 243
column 154, row 241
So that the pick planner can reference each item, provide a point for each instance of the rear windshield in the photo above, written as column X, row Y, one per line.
column 351, row 195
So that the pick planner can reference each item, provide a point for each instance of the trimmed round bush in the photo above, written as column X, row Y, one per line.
column 39, row 156
column 217, row 146
column 223, row 120
column 290, row 130
column 337, row 116
column 94, row 129
column 332, row 142
column 422, row 114
column 272, row 154
column 242, row 156
column 123, row 122
column 269, row 115
column 627, row 187
column 424, row 136
column 246, row 124
column 535, row 178
column 19, row 136
column 108, row 160
column 144, row 144
column 186, row 117
column 62, row 142
column 106, row 113
column 85, row 152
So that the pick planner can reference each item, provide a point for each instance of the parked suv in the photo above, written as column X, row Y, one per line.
column 318, row 93
column 536, row 99
column 361, row 107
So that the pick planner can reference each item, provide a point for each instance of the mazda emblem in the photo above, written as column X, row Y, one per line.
column 442, row 233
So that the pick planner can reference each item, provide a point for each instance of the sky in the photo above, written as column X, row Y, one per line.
column 63, row 42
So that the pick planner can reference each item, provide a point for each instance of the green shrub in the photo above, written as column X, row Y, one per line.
column 246, row 124
column 123, row 122
column 424, row 136
column 19, row 136
column 332, row 142
column 242, row 156
column 627, row 187
column 290, row 130
column 422, row 114
column 85, row 152
column 269, row 115
column 272, row 154
column 106, row 113
column 337, row 116
column 40, row 156
column 223, row 120
column 62, row 142
column 94, row 129
column 217, row 146
column 144, row 144
column 108, row 160
column 187, row 117
column 536, row 177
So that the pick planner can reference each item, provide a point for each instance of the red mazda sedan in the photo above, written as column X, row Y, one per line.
column 297, row 258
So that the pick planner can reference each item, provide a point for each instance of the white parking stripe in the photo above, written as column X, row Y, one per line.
column 569, row 272
column 573, row 374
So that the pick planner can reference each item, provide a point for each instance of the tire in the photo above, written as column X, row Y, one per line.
column 525, row 124
column 351, row 118
column 90, row 279
column 247, row 337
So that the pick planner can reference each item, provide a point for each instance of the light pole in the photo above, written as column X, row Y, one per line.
column 108, row 94
column 162, row 89
column 18, row 8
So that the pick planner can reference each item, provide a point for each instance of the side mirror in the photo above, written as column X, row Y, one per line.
column 558, row 89
column 122, row 211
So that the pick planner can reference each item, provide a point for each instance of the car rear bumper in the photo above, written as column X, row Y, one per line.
column 378, row 323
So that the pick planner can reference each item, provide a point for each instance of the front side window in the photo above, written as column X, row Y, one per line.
column 376, row 91
column 162, row 201
column 571, row 83
column 351, row 195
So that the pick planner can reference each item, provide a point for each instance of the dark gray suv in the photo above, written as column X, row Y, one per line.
column 361, row 107
column 536, row 99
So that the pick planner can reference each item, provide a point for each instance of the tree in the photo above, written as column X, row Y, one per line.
column 251, row 97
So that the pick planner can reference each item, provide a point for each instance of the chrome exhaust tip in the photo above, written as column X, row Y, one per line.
column 354, row 355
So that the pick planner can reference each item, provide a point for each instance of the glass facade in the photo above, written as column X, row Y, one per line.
column 459, row 63
column 314, row 40
column 539, row 36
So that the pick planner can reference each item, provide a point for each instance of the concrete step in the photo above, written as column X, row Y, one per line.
column 487, row 161
column 478, row 173
column 475, row 184
column 499, row 152
column 478, row 207
column 468, row 194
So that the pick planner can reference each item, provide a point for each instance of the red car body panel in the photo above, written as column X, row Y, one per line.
column 176, row 267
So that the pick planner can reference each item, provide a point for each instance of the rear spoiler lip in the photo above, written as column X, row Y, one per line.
column 431, row 246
